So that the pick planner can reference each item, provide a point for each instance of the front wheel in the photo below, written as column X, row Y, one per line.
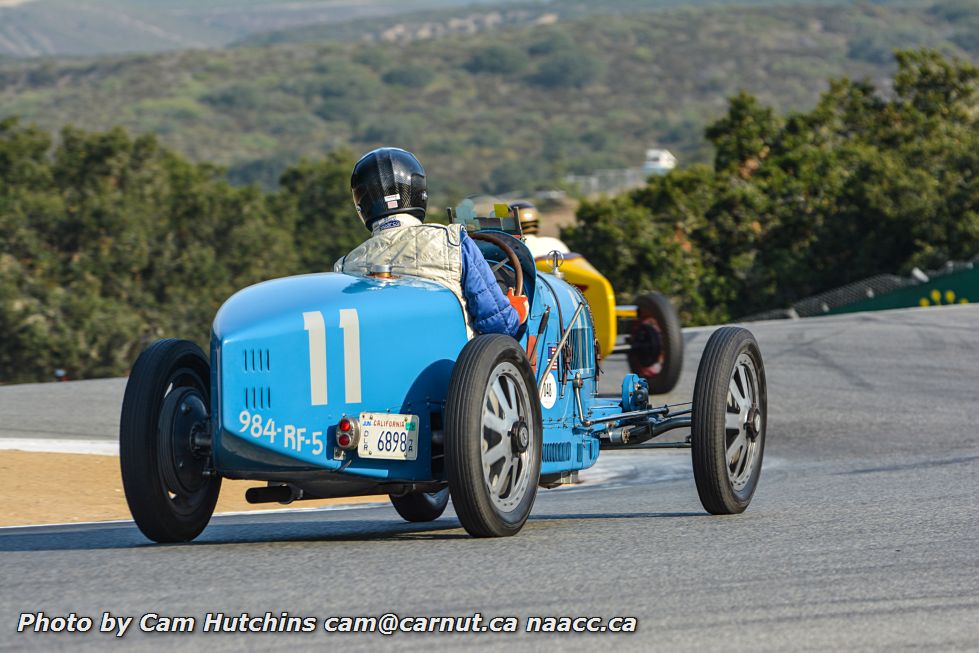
column 421, row 506
column 730, row 417
column 493, row 437
column 165, row 475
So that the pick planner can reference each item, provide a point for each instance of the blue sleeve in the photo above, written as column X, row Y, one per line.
column 487, row 305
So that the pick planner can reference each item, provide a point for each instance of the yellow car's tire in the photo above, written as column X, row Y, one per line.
column 656, row 343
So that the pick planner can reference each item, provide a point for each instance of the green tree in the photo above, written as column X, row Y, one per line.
column 743, row 137
column 860, row 185
column 326, row 225
column 414, row 76
column 498, row 59
column 111, row 242
column 569, row 69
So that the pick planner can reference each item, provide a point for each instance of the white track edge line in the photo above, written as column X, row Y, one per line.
column 61, row 445
column 282, row 511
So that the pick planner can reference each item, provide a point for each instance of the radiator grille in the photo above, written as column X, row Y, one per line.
column 556, row 451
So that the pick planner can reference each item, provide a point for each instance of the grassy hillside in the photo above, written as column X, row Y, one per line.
column 43, row 27
column 509, row 109
column 472, row 19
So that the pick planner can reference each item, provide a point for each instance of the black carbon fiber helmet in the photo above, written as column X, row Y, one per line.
column 386, row 181
column 526, row 213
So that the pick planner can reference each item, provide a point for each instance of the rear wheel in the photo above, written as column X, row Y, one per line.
column 656, row 343
column 421, row 506
column 730, row 417
column 493, row 437
column 165, row 412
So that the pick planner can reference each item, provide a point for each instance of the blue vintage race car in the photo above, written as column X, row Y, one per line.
column 331, row 385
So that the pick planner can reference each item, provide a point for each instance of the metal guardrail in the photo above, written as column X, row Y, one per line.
column 851, row 293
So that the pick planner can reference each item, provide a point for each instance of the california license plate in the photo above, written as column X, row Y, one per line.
column 388, row 435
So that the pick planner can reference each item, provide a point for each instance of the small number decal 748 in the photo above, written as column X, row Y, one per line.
column 315, row 326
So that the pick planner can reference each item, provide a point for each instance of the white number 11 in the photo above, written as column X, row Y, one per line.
column 316, row 327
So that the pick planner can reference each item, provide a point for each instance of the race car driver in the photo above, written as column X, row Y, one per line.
column 390, row 194
column 539, row 246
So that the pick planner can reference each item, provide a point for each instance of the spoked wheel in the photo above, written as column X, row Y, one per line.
column 493, row 437
column 163, row 440
column 730, row 416
column 656, row 343
column 421, row 506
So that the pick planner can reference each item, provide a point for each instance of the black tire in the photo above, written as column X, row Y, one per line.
column 483, row 511
column 721, row 420
column 421, row 506
column 656, row 343
column 169, row 495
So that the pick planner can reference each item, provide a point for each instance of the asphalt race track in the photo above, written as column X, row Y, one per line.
column 863, row 535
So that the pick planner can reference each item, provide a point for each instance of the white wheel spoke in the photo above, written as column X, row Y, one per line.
column 501, row 479
column 739, row 398
column 732, row 421
column 732, row 452
column 746, row 385
column 514, row 475
column 497, row 451
column 500, row 396
column 508, row 411
column 496, row 423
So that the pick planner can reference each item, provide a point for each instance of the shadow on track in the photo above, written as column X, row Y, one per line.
column 305, row 529
column 619, row 515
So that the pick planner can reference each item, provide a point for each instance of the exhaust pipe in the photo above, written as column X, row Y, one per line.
column 284, row 494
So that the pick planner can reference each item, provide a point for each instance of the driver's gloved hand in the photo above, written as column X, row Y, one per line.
column 519, row 304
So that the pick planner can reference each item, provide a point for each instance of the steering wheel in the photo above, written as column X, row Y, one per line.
column 510, row 254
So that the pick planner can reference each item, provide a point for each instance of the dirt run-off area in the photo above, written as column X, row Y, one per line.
column 55, row 488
